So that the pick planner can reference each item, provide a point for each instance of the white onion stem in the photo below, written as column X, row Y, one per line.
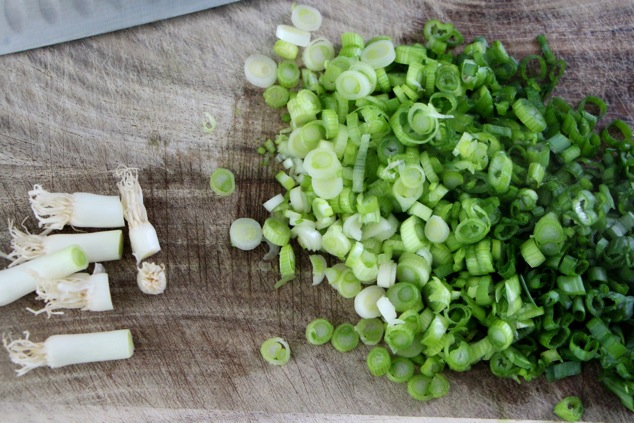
column 82, row 210
column 63, row 350
column 98, row 246
column 18, row 281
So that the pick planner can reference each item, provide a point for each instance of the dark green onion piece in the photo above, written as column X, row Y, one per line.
column 563, row 370
column 569, row 409
column 529, row 115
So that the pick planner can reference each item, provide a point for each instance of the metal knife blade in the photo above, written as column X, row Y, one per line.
column 27, row 24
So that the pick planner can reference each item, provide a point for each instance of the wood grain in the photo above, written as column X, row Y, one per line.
column 71, row 113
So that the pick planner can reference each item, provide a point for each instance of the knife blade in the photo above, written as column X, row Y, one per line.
column 28, row 24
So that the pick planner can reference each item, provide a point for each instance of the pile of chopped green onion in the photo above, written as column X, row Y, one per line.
column 471, row 215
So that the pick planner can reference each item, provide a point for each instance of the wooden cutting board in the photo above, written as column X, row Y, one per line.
column 71, row 113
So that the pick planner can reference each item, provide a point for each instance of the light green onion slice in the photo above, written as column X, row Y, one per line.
column 276, row 96
column 299, row 201
column 288, row 74
column 353, row 85
column 344, row 338
column 399, row 336
column 276, row 231
column 245, row 233
column 401, row 370
column 327, row 188
column 358, row 173
column 287, row 260
column 275, row 351
column 305, row 17
column 335, row 242
column 285, row 50
column 370, row 330
column 379, row 361
column 418, row 387
column 321, row 163
column 319, row 331
column 436, row 229
column 500, row 335
column 260, row 70
column 379, row 54
column 222, row 182
column 317, row 53
column 319, row 267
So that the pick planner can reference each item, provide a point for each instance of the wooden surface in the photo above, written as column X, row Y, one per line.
column 69, row 114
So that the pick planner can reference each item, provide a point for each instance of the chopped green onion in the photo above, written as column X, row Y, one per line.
column 500, row 335
column 370, row 330
column 379, row 54
column 436, row 229
column 293, row 35
column 288, row 75
column 426, row 174
column 275, row 351
column 276, row 231
column 260, row 70
column 285, row 50
column 418, row 388
column 365, row 301
column 245, row 233
column 353, row 85
column 569, row 409
column 319, row 331
column 305, row 17
column 276, row 96
column 344, row 338
column 319, row 267
column 317, row 53
column 287, row 265
column 379, row 361
column 401, row 370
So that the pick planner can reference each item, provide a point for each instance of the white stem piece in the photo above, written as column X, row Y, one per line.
column 151, row 278
column 80, row 290
column 387, row 310
column 365, row 302
column 387, row 274
column 98, row 246
column 18, row 281
column 63, row 350
column 83, row 210
column 293, row 35
column 273, row 202
column 143, row 238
